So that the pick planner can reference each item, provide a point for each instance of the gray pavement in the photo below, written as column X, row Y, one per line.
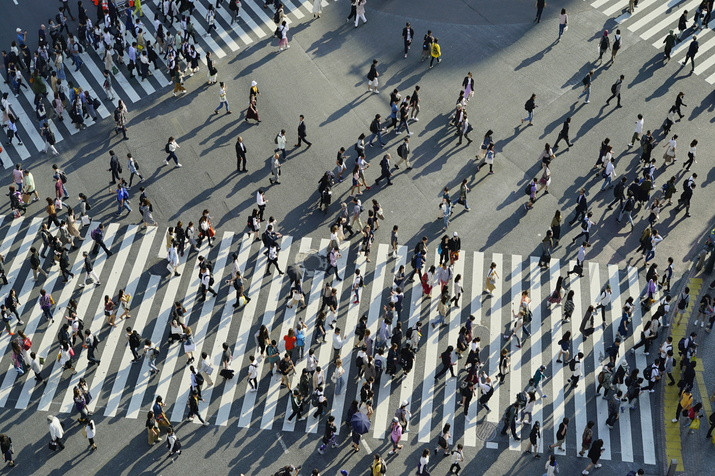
column 322, row 77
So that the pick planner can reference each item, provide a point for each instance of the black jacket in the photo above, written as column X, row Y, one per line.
column 581, row 204
column 405, row 30
column 301, row 129
column 240, row 150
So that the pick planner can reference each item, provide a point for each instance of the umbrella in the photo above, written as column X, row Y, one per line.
column 295, row 272
column 360, row 423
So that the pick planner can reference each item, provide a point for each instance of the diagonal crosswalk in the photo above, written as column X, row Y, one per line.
column 653, row 19
column 254, row 23
column 123, row 389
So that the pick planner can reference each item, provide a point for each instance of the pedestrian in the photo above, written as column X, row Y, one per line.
column 173, row 444
column 56, row 433
column 170, row 148
column 422, row 464
column 594, row 454
column 616, row 93
column 510, row 415
column 302, row 135
column 275, row 169
column 223, row 100
column 540, row 4
column 534, row 436
column 563, row 23
column 435, row 53
column 7, row 449
column 408, row 35
column 564, row 134
column 403, row 152
column 693, row 48
column 603, row 45
column 561, row 435
column 586, row 81
column 360, row 12
column 529, row 106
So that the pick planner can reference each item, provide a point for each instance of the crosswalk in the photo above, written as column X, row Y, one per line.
column 653, row 19
column 255, row 23
column 123, row 389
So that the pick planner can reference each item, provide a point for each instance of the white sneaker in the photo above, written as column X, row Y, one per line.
column 674, row 420
column 599, row 465
column 179, row 165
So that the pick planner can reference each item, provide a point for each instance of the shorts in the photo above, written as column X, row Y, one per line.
column 372, row 83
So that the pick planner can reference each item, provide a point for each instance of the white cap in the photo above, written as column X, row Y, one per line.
column 19, row 30
column 404, row 403
column 454, row 234
column 253, row 83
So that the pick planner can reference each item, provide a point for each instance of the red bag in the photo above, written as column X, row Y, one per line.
column 71, row 352
column 211, row 232
column 27, row 343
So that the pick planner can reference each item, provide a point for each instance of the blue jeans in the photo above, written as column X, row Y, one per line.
column 399, row 128
column 530, row 116
column 561, row 30
column 377, row 134
column 339, row 384
column 77, row 61
column 122, row 204
column 222, row 103
column 445, row 219
column 650, row 255
column 47, row 312
column 172, row 155
column 606, row 182
column 586, row 92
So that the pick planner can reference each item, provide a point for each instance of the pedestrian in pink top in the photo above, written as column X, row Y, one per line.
column 395, row 435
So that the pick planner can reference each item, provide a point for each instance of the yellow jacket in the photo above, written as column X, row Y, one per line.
column 436, row 50
column 686, row 400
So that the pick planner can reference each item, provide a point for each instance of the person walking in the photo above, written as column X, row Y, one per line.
column 540, row 4
column 435, row 53
column 408, row 35
column 302, row 135
column 563, row 23
column 616, row 93
column 275, row 169
column 372, row 75
column 586, row 81
column 360, row 12
column 603, row 45
column 241, row 155
column 403, row 152
column 594, row 454
column 56, row 433
column 529, row 106
column 561, row 435
column 97, row 236
column 693, row 48
column 133, row 168
column 564, row 134
column 222, row 98
column 7, row 450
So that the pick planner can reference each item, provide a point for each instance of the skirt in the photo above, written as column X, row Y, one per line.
column 283, row 42
column 490, row 286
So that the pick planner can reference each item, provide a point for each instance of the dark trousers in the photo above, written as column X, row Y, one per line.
column 297, row 412
column 617, row 96
column 241, row 162
column 353, row 12
column 510, row 425
column 562, row 136
column 385, row 175
column 303, row 139
column 443, row 371
column 115, row 175
column 90, row 355
column 131, row 177
column 97, row 245
column 618, row 200
column 273, row 262
column 134, row 352
column 407, row 46
column 328, row 271
column 579, row 216
column 584, row 233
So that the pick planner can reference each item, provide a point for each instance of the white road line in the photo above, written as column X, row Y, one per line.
column 225, row 37
column 557, row 369
column 641, row 363
column 276, row 282
column 516, row 354
column 48, row 336
column 579, row 393
column 536, row 333
column 432, row 356
column 242, row 339
column 670, row 20
column 598, row 350
column 245, row 38
column 95, row 324
column 274, row 390
column 27, row 124
column 470, row 423
column 450, row 386
column 120, row 381
column 224, row 325
column 258, row 30
column 202, row 329
column 495, row 329
column 137, row 323
column 144, row 380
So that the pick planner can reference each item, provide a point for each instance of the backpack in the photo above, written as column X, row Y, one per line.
column 613, row 88
column 277, row 33
column 232, row 5
column 585, row 80
column 95, row 234
column 527, row 190
column 177, row 444
column 378, row 365
column 681, row 345
column 572, row 364
column 521, row 398
column 526, row 105
column 276, row 17
column 409, row 332
column 276, row 139
column 315, row 399
column 117, row 115
column 199, row 379
column 647, row 372
column 166, row 148
column 401, row 150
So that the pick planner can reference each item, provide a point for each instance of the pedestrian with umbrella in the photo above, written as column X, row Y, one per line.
column 360, row 425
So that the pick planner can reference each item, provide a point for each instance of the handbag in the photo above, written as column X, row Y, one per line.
column 695, row 424
column 115, row 70
column 53, row 445
column 71, row 352
column 211, row 232
column 170, row 267
column 85, row 220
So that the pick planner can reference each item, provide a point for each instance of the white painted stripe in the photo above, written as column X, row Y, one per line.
column 516, row 354
column 202, row 329
column 242, row 340
column 275, row 391
column 579, row 393
column 276, row 282
column 245, row 38
column 599, row 3
column 255, row 28
column 598, row 350
column 111, row 341
column 50, row 332
column 536, row 333
column 5, row 160
column 470, row 423
column 415, row 308
column 624, row 421
column 310, row 315
column 324, row 352
column 30, row 96
column 224, row 325
column 118, row 79
column 12, row 234
column 557, row 369
column 641, row 363
column 383, row 386
column 450, row 387
column 619, row 6
column 98, row 76
column 144, row 380
column 137, row 323
column 30, row 129
column 80, row 363
column 495, row 339
column 293, row 9
column 669, row 22
column 432, row 357
column 220, row 32
column 120, row 381
column 702, row 64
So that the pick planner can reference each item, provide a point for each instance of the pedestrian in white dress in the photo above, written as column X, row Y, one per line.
column 317, row 8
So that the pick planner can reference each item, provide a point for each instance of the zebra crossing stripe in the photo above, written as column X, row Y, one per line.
column 27, row 124
column 82, row 310
column 202, row 328
column 710, row 60
column 242, row 340
column 557, row 369
column 11, row 234
column 223, row 13
column 265, row 21
column 495, row 335
column 220, row 32
column 516, row 353
column 432, row 353
column 579, row 393
column 276, row 282
column 257, row 30
column 167, row 303
column 670, row 21
column 50, row 331
column 537, row 330
column 475, row 309
column 120, row 381
column 641, row 363
column 624, row 422
column 274, row 390
column 224, row 325
column 450, row 386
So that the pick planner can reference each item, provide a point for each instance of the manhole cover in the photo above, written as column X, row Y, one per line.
column 312, row 261
column 486, row 431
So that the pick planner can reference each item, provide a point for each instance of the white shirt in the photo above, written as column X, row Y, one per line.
column 281, row 138
column 260, row 201
column 639, row 126
column 337, row 341
column 610, row 168
column 56, row 430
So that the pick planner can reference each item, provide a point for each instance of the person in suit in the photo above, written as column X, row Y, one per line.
column 240, row 155
column 581, row 207
column 302, row 135
column 407, row 35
